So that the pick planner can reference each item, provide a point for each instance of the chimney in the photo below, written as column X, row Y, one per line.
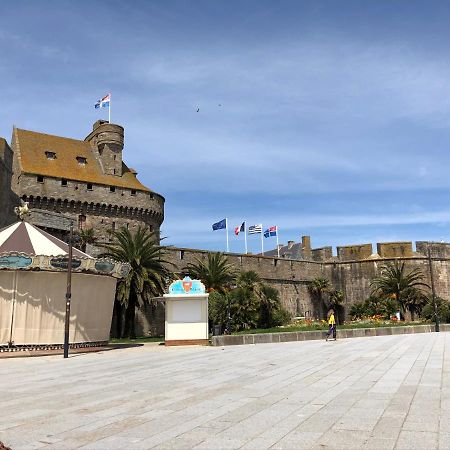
column 306, row 247
column 290, row 244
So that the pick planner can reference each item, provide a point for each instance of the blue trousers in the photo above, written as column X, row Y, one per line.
column 331, row 329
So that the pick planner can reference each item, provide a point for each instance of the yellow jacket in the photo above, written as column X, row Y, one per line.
column 331, row 320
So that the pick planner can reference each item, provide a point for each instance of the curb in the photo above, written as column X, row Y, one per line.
column 291, row 336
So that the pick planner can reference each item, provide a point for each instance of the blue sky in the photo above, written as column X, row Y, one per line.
column 334, row 116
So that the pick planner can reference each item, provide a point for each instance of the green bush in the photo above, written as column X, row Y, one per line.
column 374, row 306
column 269, row 304
column 244, row 309
column 252, row 304
column 443, row 310
column 281, row 317
column 217, row 309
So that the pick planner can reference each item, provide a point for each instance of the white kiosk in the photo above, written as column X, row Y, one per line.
column 186, row 313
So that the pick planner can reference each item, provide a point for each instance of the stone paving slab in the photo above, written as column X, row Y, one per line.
column 387, row 392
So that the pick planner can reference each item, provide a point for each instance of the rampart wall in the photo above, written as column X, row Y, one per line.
column 346, row 272
column 290, row 277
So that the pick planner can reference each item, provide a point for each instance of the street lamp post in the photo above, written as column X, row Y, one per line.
column 433, row 293
column 228, row 328
column 69, row 280
column 68, row 293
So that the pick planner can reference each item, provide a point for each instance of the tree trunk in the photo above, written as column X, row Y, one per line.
column 118, row 308
column 117, row 320
column 130, row 315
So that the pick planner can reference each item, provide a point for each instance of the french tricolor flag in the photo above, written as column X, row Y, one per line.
column 104, row 102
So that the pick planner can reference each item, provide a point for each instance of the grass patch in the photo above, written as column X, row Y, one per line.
column 139, row 340
column 324, row 327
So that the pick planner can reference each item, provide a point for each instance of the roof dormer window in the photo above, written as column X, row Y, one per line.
column 81, row 160
column 50, row 155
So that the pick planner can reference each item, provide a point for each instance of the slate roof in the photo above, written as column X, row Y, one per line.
column 295, row 252
column 32, row 146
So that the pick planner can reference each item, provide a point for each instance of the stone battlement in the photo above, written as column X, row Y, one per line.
column 361, row 252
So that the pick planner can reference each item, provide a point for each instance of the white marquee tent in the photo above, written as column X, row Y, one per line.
column 33, row 275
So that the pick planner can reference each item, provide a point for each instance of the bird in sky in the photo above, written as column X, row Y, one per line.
column 198, row 109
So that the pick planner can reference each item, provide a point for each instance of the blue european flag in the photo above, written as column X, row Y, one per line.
column 219, row 225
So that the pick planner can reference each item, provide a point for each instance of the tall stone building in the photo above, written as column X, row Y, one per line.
column 86, row 180
column 7, row 197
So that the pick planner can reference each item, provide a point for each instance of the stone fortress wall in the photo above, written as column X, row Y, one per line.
column 351, row 270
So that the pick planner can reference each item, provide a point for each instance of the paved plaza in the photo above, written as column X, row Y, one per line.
column 377, row 392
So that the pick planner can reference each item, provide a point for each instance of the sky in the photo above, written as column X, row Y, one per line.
column 325, row 118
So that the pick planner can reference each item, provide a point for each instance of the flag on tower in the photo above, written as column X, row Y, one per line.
column 104, row 102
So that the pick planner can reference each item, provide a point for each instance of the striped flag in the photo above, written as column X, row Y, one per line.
column 255, row 229
column 237, row 230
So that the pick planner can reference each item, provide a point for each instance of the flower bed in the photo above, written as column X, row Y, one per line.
column 319, row 325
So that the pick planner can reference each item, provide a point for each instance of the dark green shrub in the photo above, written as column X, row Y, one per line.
column 443, row 310
column 217, row 309
column 374, row 306
column 244, row 309
column 269, row 304
column 251, row 303
column 281, row 317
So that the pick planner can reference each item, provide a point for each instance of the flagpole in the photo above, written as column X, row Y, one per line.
column 278, row 246
column 109, row 109
column 245, row 236
column 262, row 241
column 226, row 227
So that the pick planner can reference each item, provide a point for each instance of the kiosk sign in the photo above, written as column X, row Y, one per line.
column 187, row 286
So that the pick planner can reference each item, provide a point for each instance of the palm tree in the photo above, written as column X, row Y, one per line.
column 148, row 275
column 244, row 308
column 249, row 280
column 86, row 236
column 414, row 300
column 394, row 281
column 317, row 288
column 215, row 273
column 269, row 299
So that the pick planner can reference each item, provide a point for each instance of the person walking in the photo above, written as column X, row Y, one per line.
column 331, row 324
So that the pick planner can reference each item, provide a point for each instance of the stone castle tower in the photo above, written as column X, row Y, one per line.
column 85, row 180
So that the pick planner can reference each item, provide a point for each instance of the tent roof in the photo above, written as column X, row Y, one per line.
column 22, row 237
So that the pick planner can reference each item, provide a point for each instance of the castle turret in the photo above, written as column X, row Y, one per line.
column 107, row 139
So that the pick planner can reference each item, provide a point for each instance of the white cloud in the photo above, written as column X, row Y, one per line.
column 314, row 115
